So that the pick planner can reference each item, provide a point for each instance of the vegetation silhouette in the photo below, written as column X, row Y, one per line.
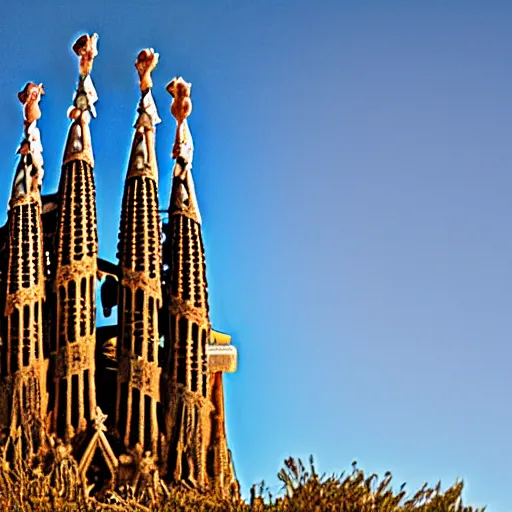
column 25, row 486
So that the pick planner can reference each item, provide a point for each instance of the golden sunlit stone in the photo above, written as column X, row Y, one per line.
column 114, row 412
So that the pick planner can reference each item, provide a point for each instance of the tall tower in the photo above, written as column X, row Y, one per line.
column 22, row 363
column 188, row 408
column 140, row 294
column 76, row 250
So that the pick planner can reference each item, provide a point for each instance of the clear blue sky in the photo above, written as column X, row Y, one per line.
column 354, row 171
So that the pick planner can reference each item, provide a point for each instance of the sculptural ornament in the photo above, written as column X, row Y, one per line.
column 30, row 97
column 86, row 48
column 29, row 174
column 145, row 64
column 181, row 108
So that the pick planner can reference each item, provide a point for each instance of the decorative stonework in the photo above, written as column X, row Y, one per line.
column 186, row 309
column 145, row 64
column 142, row 375
column 24, row 296
column 29, row 174
column 71, row 359
column 23, row 366
column 73, row 336
column 134, row 280
column 79, row 145
column 118, row 413
column 140, row 291
column 86, row 47
column 76, row 270
column 183, row 198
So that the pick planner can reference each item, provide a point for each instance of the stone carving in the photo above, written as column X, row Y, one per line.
column 23, row 296
column 29, row 174
column 77, row 269
column 30, row 98
column 65, row 476
column 186, row 309
column 142, row 375
column 183, row 195
column 145, row 64
column 147, row 480
column 79, row 146
column 73, row 358
column 143, row 159
column 181, row 108
column 86, row 47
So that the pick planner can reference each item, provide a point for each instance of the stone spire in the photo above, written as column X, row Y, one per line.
column 140, row 295
column 187, row 407
column 23, row 367
column 74, row 324
column 194, row 403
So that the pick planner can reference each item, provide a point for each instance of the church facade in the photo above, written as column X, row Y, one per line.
column 142, row 398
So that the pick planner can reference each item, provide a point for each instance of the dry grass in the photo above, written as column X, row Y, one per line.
column 59, row 488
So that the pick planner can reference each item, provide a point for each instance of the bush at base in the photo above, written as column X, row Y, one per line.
column 304, row 491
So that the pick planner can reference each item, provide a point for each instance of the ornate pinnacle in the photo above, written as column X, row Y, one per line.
column 181, row 107
column 146, row 63
column 98, row 423
column 29, row 173
column 30, row 97
column 85, row 97
column 86, row 47
column 183, row 197
column 142, row 158
column 79, row 146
